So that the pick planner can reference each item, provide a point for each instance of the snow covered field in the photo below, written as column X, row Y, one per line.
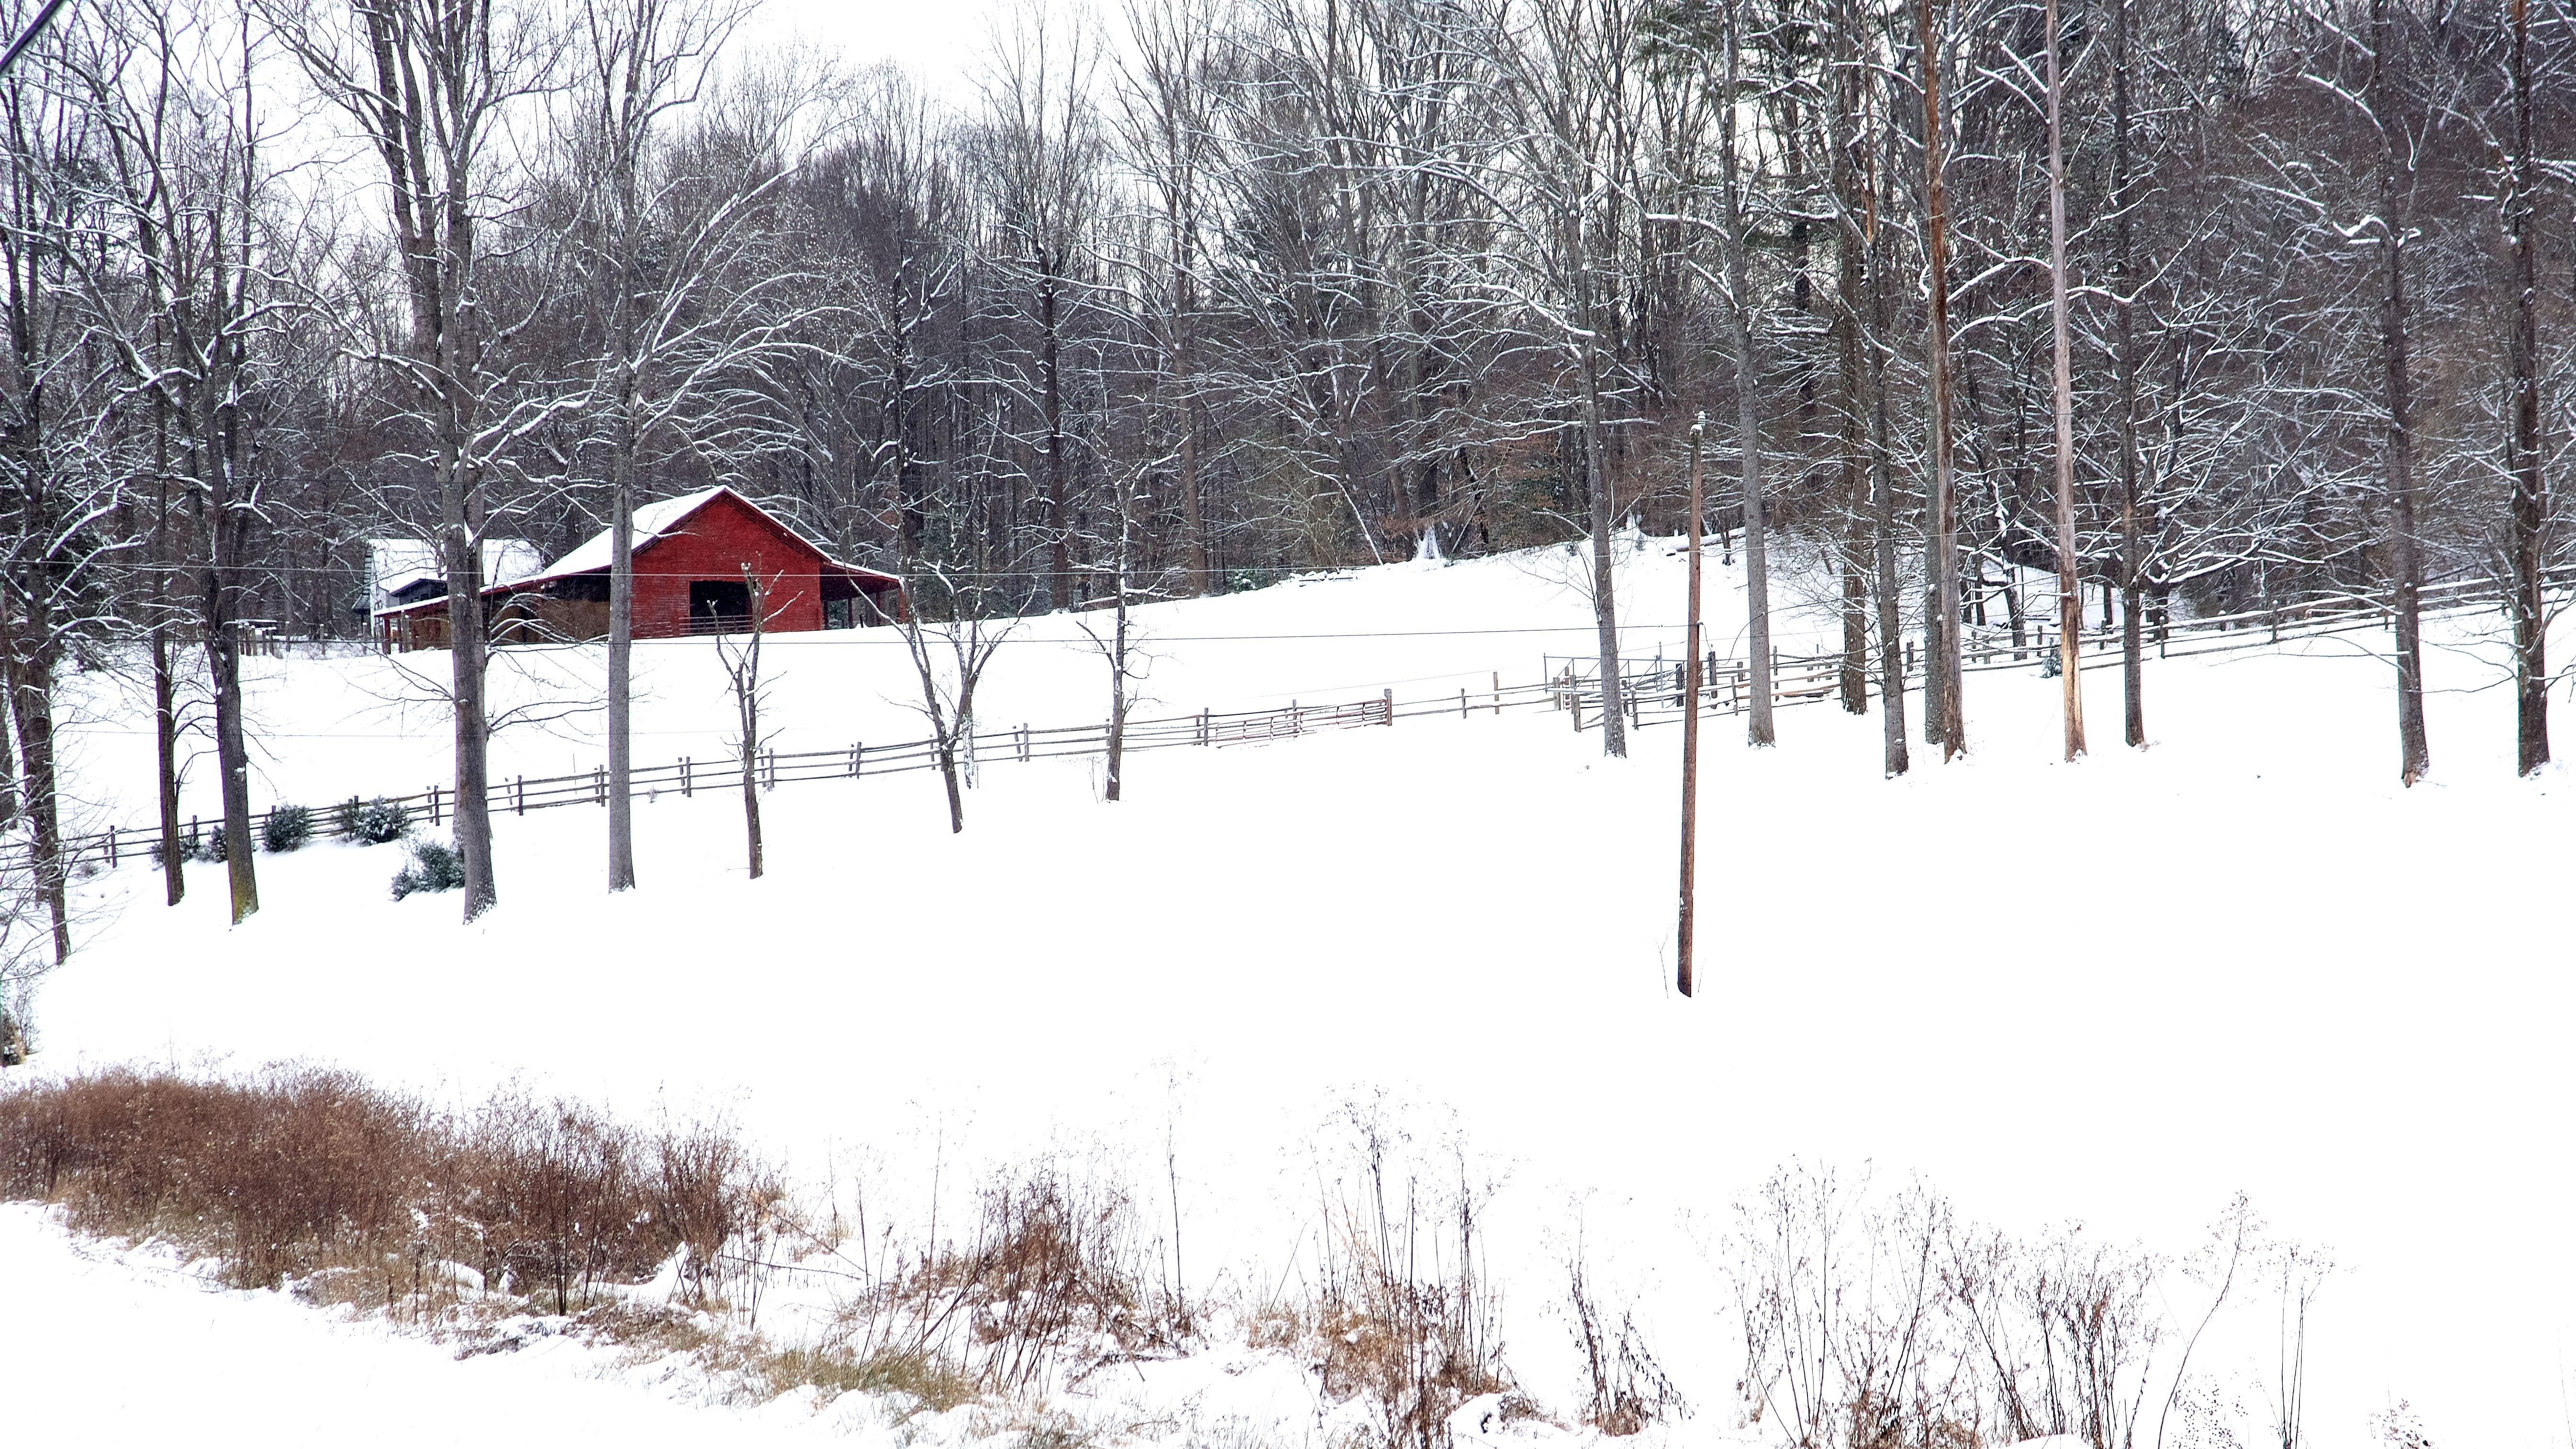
column 374, row 725
column 2117, row 992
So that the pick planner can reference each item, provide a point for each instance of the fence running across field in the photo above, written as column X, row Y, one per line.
column 1653, row 693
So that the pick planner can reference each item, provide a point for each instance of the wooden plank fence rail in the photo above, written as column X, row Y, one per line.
column 1652, row 689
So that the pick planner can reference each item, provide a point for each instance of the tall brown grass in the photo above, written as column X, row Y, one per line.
column 301, row 1171
column 1058, row 1276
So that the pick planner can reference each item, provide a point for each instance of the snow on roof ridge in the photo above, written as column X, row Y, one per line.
column 395, row 562
column 652, row 520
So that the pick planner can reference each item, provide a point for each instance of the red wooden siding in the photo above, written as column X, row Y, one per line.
column 713, row 544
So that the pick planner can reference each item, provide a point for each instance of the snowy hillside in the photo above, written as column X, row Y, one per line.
column 2117, row 992
column 372, row 724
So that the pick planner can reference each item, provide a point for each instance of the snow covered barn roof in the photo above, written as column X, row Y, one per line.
column 691, row 556
column 652, row 520
column 397, row 564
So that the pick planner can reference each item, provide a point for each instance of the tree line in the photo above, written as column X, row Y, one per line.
column 2194, row 305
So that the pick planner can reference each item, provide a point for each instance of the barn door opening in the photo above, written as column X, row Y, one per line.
column 719, row 606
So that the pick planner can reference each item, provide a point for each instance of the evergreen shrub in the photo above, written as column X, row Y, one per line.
column 288, row 828
column 378, row 822
column 434, row 866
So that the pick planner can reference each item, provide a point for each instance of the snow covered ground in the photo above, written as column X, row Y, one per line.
column 104, row 1347
column 2117, row 992
column 371, row 725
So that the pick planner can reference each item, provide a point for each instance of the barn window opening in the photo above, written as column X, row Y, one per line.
column 719, row 606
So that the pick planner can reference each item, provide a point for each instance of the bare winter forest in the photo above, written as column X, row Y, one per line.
column 2194, row 304
column 1984, row 332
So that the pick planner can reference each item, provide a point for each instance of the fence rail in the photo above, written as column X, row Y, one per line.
column 1653, row 693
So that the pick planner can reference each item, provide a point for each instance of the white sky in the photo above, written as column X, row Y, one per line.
column 939, row 41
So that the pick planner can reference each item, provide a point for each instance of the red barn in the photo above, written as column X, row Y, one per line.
column 690, row 553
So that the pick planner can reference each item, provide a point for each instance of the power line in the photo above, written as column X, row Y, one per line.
column 28, row 36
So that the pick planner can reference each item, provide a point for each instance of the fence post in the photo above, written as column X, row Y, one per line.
column 433, row 804
column 1498, row 694
column 1387, row 701
column 1203, row 724
column 599, row 785
column 687, row 786
column 519, row 789
column 1296, row 719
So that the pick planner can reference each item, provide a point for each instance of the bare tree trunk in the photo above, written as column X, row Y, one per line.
column 165, row 743
column 219, row 610
column 2124, row 266
column 1851, row 385
column 621, row 268
column 30, row 652
column 165, row 683
column 1605, row 606
column 2530, row 540
column 435, row 82
column 1891, row 626
column 2070, row 591
column 468, row 658
column 948, row 778
column 1947, row 719
column 743, row 669
column 1059, row 504
column 8, row 751
column 2408, row 561
column 1748, row 413
column 1117, row 734
column 1193, row 509
column 1757, row 578
column 621, row 664
column 232, row 760
column 750, row 713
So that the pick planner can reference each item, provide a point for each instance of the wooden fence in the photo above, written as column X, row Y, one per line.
column 1653, row 694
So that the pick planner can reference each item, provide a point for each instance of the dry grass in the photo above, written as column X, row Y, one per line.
column 369, row 1196
column 522, row 1217
column 1059, row 1277
column 1403, row 1315
column 1628, row 1388
column 933, row 1385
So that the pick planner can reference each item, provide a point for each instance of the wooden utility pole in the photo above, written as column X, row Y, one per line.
column 2070, row 591
column 1690, row 726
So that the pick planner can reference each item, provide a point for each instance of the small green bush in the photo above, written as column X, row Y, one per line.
column 378, row 822
column 187, row 849
column 434, row 866
column 211, row 847
column 288, row 828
